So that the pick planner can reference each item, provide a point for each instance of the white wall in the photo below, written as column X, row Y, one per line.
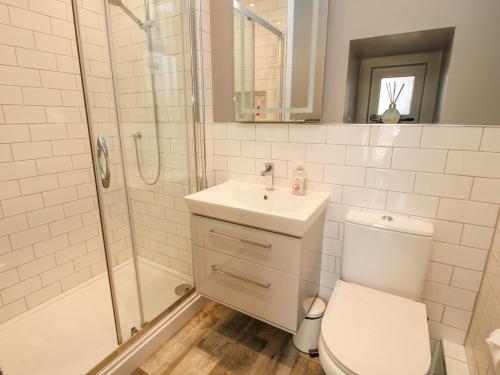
column 50, row 238
column 472, row 85
column 486, row 317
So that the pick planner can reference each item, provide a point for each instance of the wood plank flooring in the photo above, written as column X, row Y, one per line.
column 221, row 341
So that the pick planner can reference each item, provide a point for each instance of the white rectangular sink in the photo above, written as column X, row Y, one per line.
column 251, row 204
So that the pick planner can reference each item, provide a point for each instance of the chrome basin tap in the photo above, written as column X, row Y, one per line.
column 269, row 174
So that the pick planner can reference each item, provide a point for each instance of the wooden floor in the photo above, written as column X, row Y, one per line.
column 222, row 341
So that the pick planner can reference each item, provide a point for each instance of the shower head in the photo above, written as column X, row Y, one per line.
column 127, row 11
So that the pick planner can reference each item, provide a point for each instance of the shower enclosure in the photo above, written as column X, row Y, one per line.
column 126, row 249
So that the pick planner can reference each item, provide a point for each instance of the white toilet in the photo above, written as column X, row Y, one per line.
column 374, row 324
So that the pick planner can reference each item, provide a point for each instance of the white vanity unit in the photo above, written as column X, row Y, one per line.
column 258, row 251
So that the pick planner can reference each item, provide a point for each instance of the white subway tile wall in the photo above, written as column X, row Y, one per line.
column 486, row 316
column 417, row 171
column 50, row 238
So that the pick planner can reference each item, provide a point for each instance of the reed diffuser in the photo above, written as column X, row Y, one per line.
column 392, row 115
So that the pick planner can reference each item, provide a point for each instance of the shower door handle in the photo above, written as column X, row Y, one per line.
column 104, row 171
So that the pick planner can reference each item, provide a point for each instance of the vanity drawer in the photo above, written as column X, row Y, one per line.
column 256, row 245
column 263, row 292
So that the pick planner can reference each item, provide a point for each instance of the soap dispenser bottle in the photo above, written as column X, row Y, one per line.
column 299, row 181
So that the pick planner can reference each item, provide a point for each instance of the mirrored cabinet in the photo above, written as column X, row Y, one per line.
column 273, row 56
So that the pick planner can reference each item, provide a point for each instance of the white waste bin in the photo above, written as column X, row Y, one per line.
column 307, row 337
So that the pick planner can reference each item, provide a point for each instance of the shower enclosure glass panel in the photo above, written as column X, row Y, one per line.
column 152, row 73
column 138, row 84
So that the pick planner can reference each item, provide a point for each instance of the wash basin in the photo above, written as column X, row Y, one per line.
column 277, row 210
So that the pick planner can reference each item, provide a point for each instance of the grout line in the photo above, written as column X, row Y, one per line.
column 481, row 138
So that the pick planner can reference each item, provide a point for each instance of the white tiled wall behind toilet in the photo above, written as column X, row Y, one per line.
column 486, row 317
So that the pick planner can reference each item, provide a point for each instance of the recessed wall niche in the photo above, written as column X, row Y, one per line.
column 413, row 65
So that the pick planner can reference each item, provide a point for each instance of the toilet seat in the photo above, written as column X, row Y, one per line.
column 369, row 332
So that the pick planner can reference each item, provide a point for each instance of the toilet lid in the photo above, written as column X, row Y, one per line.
column 370, row 332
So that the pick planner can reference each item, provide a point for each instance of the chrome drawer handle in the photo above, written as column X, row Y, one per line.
column 263, row 245
column 222, row 272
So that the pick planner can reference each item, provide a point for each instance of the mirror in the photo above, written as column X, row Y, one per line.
column 278, row 51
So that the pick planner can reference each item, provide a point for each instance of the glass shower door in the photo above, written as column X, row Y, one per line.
column 151, row 65
column 102, row 119
column 136, row 62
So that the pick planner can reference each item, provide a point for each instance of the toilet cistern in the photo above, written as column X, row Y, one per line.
column 269, row 174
